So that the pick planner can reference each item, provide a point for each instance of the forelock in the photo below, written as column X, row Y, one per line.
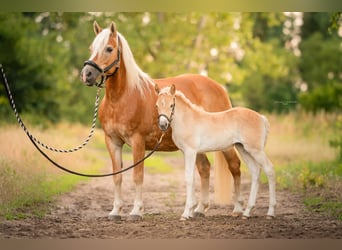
column 100, row 42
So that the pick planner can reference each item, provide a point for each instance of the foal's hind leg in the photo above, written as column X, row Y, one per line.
column 234, row 167
column 203, row 167
column 255, row 172
column 267, row 166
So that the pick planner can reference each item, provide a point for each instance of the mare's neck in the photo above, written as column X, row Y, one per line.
column 116, row 85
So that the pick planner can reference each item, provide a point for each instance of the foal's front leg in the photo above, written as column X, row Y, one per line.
column 190, row 159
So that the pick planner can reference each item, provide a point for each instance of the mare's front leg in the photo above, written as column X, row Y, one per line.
column 190, row 159
column 115, row 150
column 138, row 149
column 203, row 167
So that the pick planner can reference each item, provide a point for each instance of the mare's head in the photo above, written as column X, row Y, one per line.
column 165, row 105
column 105, row 55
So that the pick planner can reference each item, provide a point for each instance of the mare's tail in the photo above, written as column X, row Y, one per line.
column 223, row 180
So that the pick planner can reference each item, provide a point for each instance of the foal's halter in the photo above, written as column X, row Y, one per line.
column 103, row 72
column 169, row 119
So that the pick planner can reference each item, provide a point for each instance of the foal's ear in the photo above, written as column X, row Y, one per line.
column 97, row 28
column 173, row 89
column 112, row 27
column 156, row 88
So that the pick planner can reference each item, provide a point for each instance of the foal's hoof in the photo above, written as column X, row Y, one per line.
column 244, row 217
column 135, row 217
column 183, row 219
column 116, row 218
column 236, row 214
column 199, row 215
column 270, row 217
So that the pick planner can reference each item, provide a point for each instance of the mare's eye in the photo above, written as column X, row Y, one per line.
column 109, row 49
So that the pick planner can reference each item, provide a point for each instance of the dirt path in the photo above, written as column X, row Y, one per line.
column 83, row 212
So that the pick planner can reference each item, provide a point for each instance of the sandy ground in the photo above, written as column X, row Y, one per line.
column 83, row 213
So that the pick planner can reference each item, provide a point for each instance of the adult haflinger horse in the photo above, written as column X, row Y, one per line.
column 195, row 130
column 128, row 115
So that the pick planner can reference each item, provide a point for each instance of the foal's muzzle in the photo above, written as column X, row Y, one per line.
column 164, row 122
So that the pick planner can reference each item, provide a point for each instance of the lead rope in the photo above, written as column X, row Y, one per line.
column 35, row 142
column 10, row 97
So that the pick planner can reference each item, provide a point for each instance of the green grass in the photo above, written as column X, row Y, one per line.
column 324, row 205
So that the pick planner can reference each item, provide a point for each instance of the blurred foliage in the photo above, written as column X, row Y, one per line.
column 271, row 62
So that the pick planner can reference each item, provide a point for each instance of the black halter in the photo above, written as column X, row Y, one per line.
column 103, row 72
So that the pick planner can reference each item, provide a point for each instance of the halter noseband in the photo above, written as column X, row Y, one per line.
column 169, row 119
column 103, row 72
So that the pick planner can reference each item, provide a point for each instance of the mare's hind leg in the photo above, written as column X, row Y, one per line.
column 234, row 167
column 203, row 167
column 255, row 172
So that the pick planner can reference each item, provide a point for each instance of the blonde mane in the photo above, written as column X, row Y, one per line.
column 180, row 95
column 136, row 78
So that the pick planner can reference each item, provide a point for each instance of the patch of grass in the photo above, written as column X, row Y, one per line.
column 323, row 205
column 28, row 182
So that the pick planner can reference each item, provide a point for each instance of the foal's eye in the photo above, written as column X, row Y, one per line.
column 109, row 49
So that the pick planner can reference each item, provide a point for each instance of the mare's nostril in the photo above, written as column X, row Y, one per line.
column 89, row 74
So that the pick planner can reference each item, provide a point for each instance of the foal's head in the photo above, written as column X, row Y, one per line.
column 105, row 55
column 165, row 105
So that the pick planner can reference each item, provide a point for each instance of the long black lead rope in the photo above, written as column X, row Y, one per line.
column 32, row 139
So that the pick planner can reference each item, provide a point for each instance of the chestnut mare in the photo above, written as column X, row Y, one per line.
column 128, row 115
column 240, row 127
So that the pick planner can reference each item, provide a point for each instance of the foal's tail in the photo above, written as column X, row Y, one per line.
column 223, row 180
column 267, row 127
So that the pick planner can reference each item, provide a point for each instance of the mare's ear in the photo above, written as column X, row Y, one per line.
column 112, row 28
column 97, row 28
column 173, row 89
column 156, row 88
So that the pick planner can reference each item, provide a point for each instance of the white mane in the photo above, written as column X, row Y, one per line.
column 136, row 78
column 180, row 95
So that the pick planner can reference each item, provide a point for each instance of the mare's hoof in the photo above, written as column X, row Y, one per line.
column 135, row 217
column 198, row 215
column 269, row 217
column 116, row 218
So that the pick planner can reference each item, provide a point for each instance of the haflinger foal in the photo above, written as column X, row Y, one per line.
column 196, row 131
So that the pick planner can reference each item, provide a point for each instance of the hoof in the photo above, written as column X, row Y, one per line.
column 244, row 217
column 198, row 215
column 269, row 217
column 236, row 214
column 135, row 217
column 183, row 219
column 116, row 218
